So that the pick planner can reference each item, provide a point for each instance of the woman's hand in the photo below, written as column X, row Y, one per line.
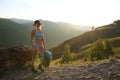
column 32, row 47
column 43, row 49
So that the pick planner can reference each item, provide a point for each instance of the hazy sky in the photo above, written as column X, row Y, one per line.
column 83, row 12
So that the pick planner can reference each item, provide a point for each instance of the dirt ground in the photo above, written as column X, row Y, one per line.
column 104, row 71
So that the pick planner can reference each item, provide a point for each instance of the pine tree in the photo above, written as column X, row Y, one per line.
column 66, row 57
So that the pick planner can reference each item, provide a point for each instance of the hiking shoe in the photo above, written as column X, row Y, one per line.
column 41, row 68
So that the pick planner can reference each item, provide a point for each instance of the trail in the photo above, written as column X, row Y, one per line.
column 104, row 71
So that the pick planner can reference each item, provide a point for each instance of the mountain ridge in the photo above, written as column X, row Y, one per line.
column 54, row 33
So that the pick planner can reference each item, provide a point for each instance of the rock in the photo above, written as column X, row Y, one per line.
column 11, row 58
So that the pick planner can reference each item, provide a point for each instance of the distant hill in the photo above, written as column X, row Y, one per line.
column 12, row 33
column 17, row 31
column 108, row 31
column 20, row 21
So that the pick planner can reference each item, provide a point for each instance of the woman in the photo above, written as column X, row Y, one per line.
column 37, row 41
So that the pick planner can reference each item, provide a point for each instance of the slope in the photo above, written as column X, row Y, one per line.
column 107, row 31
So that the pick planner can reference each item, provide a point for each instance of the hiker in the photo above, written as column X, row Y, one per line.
column 37, row 41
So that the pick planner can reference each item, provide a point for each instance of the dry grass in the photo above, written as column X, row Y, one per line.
column 77, row 58
column 81, row 62
column 117, row 52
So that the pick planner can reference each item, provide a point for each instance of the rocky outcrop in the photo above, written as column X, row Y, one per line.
column 15, row 57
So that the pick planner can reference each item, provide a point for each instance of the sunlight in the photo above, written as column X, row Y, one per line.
column 88, row 12
column 82, row 12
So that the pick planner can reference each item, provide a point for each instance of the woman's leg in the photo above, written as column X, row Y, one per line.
column 41, row 65
column 41, row 51
column 34, row 56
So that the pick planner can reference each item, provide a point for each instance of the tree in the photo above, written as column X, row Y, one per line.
column 66, row 57
column 108, row 48
column 117, row 22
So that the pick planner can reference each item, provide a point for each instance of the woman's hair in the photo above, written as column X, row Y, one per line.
column 37, row 22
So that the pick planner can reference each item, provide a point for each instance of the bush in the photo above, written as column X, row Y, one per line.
column 117, row 23
column 101, row 49
column 66, row 57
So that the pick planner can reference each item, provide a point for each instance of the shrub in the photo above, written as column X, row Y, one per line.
column 66, row 57
column 117, row 23
column 101, row 49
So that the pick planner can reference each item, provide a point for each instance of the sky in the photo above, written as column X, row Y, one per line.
column 80, row 12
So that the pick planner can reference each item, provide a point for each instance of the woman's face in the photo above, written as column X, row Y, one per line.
column 37, row 25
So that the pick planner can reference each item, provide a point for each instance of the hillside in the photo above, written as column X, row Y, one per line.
column 15, row 66
column 11, row 33
column 17, row 31
column 105, row 32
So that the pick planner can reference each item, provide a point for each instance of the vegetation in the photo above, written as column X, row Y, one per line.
column 78, row 58
column 117, row 22
column 66, row 57
column 101, row 49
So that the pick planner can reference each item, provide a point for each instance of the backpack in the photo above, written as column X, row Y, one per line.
column 46, row 58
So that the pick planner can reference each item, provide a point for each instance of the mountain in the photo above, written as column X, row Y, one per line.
column 105, row 32
column 20, row 21
column 14, row 33
column 79, row 27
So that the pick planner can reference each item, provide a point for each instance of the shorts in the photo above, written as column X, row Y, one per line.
column 38, row 46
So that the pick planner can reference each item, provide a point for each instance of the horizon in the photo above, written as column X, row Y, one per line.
column 61, row 22
column 78, row 12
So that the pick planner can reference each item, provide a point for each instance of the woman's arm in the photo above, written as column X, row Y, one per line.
column 43, row 39
column 32, row 34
